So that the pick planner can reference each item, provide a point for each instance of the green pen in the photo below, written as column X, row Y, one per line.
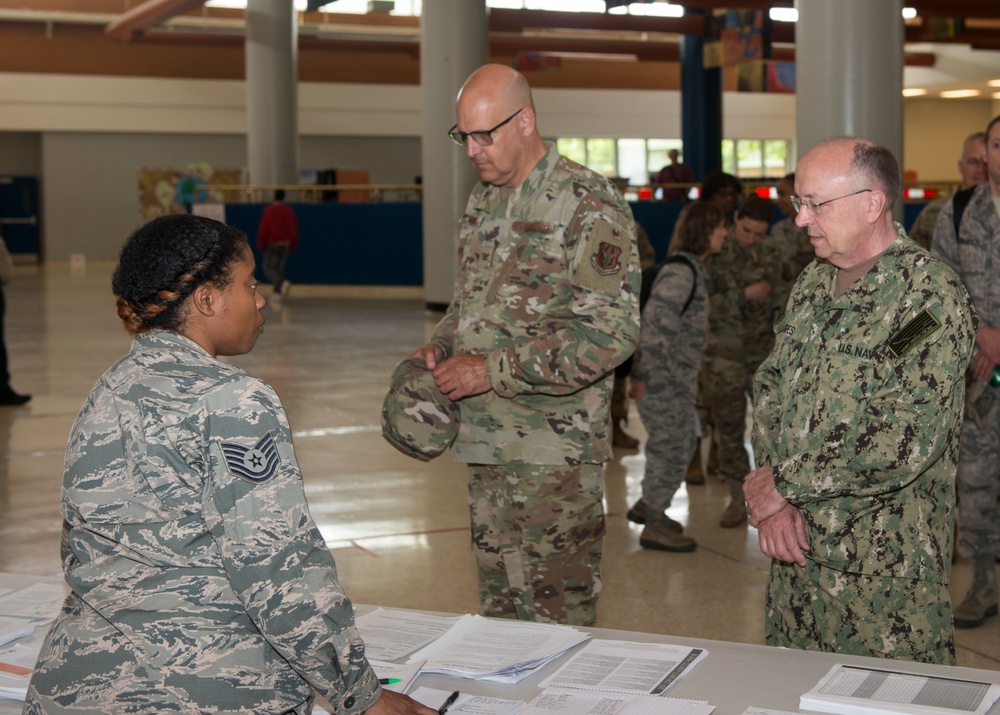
column 389, row 681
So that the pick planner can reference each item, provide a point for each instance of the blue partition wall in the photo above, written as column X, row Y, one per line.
column 348, row 244
column 382, row 244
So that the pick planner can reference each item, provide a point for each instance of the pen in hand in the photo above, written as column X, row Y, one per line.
column 448, row 703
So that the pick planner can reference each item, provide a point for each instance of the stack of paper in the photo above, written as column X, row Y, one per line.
column 852, row 690
column 556, row 701
column 503, row 651
column 390, row 635
column 626, row 667
column 467, row 704
column 17, row 661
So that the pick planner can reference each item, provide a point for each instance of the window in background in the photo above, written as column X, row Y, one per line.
column 729, row 156
column 776, row 158
column 632, row 161
column 601, row 156
column 749, row 158
column 574, row 149
column 657, row 157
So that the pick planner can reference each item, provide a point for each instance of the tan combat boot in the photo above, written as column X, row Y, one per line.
column 639, row 512
column 981, row 601
column 736, row 513
column 694, row 474
column 664, row 534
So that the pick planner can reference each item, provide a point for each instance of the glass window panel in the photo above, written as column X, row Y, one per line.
column 573, row 149
column 776, row 158
column 632, row 161
column 657, row 153
column 728, row 157
column 749, row 158
column 601, row 156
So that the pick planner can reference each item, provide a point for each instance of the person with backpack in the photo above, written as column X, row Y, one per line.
column 967, row 237
column 665, row 370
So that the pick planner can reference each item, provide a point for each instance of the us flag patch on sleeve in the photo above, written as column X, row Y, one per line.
column 256, row 464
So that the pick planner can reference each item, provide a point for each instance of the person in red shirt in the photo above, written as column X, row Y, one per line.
column 676, row 172
column 277, row 239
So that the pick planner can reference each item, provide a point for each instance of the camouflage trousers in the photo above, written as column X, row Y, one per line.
column 673, row 434
column 979, row 477
column 723, row 386
column 538, row 534
column 818, row 608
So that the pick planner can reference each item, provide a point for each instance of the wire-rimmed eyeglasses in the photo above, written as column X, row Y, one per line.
column 483, row 137
column 814, row 207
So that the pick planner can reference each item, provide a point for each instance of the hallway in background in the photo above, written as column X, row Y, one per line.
column 398, row 528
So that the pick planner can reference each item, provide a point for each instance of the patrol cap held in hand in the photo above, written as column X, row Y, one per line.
column 417, row 418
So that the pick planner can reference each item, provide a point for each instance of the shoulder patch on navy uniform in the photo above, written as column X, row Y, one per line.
column 256, row 464
column 912, row 333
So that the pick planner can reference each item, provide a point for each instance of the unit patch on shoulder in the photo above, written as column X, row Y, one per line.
column 607, row 259
column 912, row 333
column 256, row 464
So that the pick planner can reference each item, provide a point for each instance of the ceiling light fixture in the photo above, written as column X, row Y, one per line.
column 914, row 92
column 959, row 93
column 994, row 83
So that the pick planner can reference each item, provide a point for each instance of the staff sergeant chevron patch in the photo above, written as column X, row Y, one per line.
column 256, row 464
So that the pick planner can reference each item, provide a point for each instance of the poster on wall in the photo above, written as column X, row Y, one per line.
column 168, row 191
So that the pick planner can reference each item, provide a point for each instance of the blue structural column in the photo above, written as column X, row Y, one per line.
column 701, row 107
column 849, row 72
column 271, row 50
column 454, row 41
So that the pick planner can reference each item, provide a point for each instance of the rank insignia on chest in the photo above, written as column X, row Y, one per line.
column 257, row 463
column 607, row 260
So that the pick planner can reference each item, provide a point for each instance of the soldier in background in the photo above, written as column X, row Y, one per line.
column 796, row 248
column 619, row 394
column 971, row 252
column 972, row 169
column 857, row 413
column 200, row 583
column 546, row 305
column 746, row 294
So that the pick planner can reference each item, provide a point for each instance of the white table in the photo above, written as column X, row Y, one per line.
column 732, row 678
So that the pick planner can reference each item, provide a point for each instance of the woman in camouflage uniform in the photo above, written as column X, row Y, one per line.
column 200, row 582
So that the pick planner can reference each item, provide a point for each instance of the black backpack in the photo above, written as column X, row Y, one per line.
column 959, row 202
column 649, row 277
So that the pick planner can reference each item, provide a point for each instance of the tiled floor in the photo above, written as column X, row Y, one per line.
column 398, row 527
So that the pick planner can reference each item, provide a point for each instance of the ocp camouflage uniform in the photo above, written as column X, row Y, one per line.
column 619, row 394
column 976, row 259
column 797, row 250
column 740, row 335
column 547, row 290
column 922, row 230
column 200, row 583
column 858, row 410
column 668, row 361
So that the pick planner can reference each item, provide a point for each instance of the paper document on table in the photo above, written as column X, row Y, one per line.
column 850, row 690
column 500, row 650
column 766, row 711
column 466, row 704
column 399, row 675
column 21, row 612
column 17, row 661
column 553, row 701
column 390, row 635
column 626, row 666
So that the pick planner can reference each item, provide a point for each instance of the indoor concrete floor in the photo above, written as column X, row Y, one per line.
column 397, row 527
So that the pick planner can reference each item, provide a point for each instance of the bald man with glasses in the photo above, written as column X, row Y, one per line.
column 857, row 413
column 545, row 307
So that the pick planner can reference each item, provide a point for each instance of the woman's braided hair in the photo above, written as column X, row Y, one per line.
column 162, row 263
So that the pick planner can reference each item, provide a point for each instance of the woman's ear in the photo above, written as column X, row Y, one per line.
column 203, row 299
